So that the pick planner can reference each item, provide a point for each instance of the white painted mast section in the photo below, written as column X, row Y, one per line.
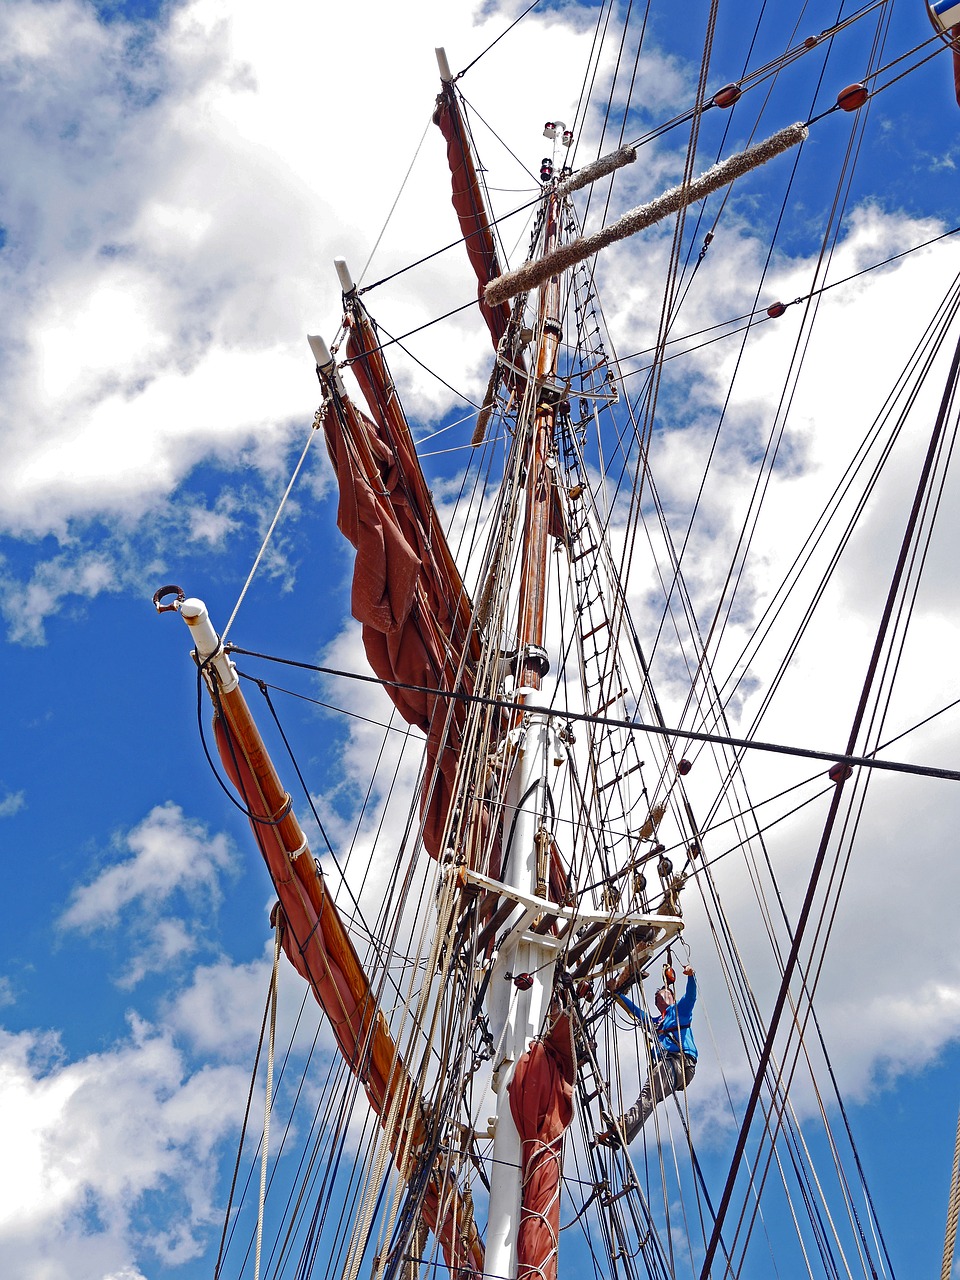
column 343, row 275
column 517, row 1016
column 208, row 644
column 446, row 75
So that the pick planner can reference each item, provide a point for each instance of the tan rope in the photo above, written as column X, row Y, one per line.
column 950, row 1238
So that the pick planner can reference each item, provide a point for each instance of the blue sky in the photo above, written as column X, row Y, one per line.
column 176, row 181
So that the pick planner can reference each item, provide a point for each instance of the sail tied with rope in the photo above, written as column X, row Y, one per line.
column 318, row 945
column 407, row 593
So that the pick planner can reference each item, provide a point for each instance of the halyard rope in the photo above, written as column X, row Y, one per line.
column 950, row 1238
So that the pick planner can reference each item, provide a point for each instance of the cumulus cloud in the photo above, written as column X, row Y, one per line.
column 89, row 1144
column 165, row 865
column 168, row 853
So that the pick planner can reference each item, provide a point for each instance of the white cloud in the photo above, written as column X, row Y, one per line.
column 168, row 261
column 86, row 1142
column 161, row 891
column 71, row 574
column 169, row 853
column 12, row 803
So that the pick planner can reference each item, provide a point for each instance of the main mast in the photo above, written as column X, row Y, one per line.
column 519, row 1011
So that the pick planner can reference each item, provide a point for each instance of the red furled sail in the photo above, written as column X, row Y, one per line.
column 407, row 593
column 471, row 209
column 541, row 1103
column 318, row 946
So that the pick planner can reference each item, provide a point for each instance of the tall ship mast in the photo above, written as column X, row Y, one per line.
column 542, row 907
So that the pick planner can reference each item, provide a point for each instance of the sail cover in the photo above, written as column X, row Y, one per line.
column 541, row 1103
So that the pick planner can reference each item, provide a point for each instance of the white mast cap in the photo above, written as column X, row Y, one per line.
column 321, row 352
column 446, row 75
column 343, row 271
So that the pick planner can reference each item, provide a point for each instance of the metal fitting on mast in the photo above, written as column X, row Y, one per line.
column 209, row 651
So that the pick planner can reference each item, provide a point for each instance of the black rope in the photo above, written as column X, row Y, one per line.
column 497, row 41
column 583, row 717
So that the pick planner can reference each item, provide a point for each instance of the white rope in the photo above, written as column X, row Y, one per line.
column 267, row 1101
column 273, row 525
column 403, row 187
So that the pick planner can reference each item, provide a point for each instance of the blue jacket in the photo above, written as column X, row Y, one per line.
column 672, row 1031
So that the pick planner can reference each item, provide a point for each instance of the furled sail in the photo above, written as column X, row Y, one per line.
column 407, row 592
column 471, row 208
column 541, row 1102
column 318, row 945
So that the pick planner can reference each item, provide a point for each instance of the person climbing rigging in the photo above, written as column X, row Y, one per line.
column 674, row 1055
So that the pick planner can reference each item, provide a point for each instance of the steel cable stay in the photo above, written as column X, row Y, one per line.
column 449, row 1030
column 872, row 441
column 685, row 119
column 728, row 592
column 833, row 813
column 808, row 614
column 854, row 1147
column 812, row 753
column 799, row 1158
column 649, row 481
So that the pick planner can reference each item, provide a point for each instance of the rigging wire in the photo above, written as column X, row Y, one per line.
column 503, row 33
column 832, row 815
column 597, row 720
column 268, row 1096
column 458, row 695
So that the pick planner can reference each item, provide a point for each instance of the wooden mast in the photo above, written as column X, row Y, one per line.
column 531, row 664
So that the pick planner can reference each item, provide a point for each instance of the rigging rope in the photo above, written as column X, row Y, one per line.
column 805, row 911
column 692, row 735
column 273, row 524
column 268, row 1096
column 953, row 1210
